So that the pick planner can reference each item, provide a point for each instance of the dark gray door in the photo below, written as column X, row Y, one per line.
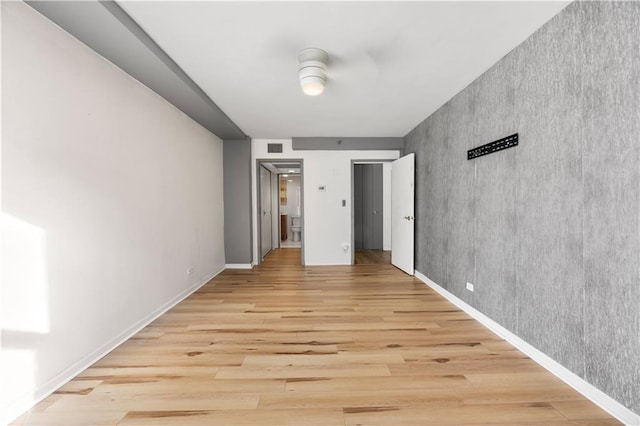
column 367, row 209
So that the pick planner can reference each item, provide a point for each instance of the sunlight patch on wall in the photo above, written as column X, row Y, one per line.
column 24, row 276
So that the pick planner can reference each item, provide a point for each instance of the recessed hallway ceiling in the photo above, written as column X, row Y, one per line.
column 391, row 63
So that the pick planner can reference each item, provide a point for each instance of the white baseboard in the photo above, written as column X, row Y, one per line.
column 238, row 266
column 592, row 393
column 26, row 402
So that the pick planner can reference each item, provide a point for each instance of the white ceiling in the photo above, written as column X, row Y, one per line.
column 392, row 64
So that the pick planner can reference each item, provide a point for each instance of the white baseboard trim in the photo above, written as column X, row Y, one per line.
column 26, row 402
column 592, row 393
column 238, row 266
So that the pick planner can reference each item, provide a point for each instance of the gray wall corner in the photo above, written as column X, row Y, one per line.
column 237, row 201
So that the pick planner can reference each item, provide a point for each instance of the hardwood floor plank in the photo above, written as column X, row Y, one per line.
column 260, row 372
column 322, row 360
column 76, row 417
column 511, row 379
column 284, row 344
column 189, row 385
column 78, row 387
column 381, row 382
column 498, row 414
column 581, row 409
column 174, row 401
column 361, row 398
column 292, row 417
column 143, row 373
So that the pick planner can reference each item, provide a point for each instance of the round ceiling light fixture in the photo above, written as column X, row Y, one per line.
column 312, row 70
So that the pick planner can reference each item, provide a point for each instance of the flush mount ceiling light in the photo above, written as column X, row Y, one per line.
column 312, row 70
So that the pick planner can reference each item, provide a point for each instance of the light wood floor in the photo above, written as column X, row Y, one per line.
column 288, row 345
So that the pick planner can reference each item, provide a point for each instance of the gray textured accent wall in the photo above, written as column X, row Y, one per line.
column 237, row 201
column 547, row 231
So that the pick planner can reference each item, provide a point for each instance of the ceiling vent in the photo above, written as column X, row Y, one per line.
column 274, row 147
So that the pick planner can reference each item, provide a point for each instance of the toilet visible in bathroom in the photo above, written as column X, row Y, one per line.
column 296, row 227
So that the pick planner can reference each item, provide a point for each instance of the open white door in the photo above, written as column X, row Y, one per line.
column 402, row 211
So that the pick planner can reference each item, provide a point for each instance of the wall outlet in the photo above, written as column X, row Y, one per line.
column 469, row 286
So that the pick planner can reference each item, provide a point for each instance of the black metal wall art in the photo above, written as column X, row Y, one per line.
column 495, row 146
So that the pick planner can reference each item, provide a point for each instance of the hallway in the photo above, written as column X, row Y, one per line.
column 284, row 344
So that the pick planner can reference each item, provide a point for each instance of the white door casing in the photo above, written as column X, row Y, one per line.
column 265, row 211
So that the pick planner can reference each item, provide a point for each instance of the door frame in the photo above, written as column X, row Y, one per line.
column 353, row 195
column 259, row 172
column 257, row 210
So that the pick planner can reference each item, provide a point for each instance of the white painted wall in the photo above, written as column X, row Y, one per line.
column 109, row 196
column 326, row 223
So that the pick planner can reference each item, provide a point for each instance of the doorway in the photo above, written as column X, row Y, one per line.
column 290, row 212
column 371, row 218
column 280, row 191
column 266, row 212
